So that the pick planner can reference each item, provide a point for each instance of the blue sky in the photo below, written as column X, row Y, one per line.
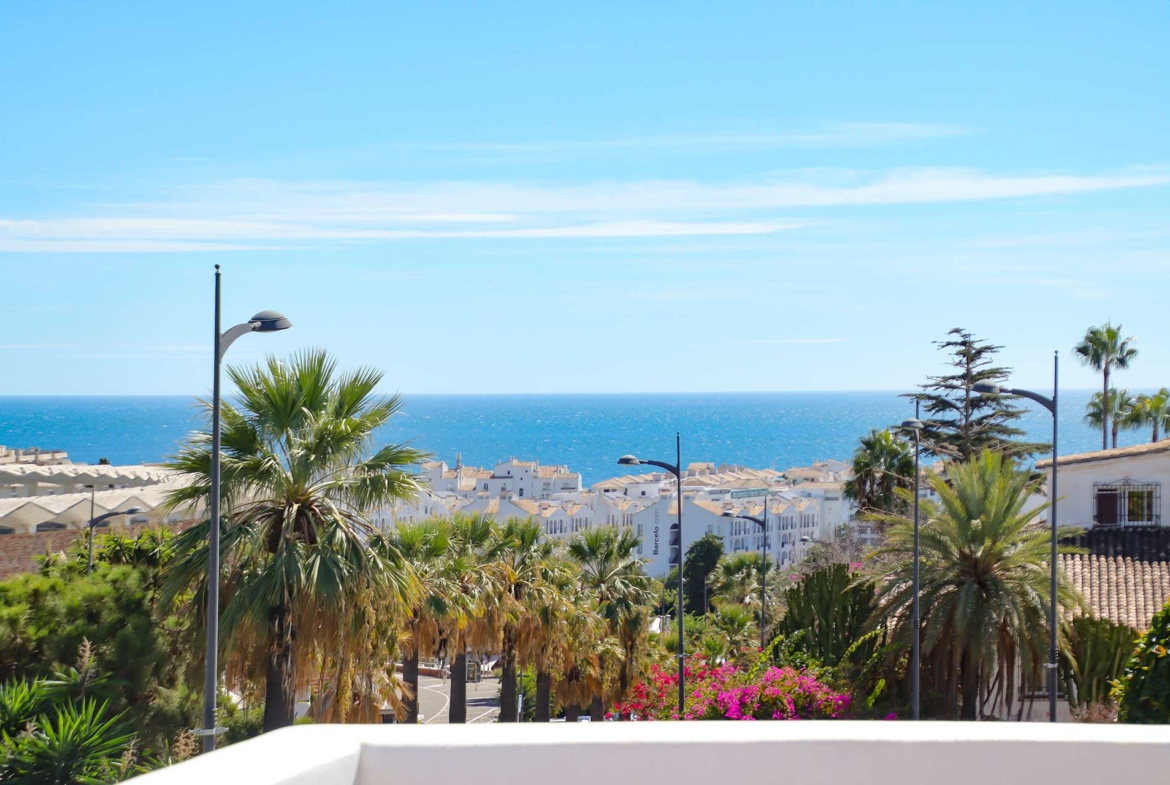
column 532, row 197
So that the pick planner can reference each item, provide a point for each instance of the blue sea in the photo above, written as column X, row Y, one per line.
column 587, row 432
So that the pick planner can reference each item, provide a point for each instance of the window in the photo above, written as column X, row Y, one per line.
column 521, row 495
column 1127, row 503
column 50, row 527
column 7, row 530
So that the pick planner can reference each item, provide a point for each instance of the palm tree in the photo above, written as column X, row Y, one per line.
column 881, row 464
column 549, row 604
column 984, row 582
column 622, row 590
column 1103, row 349
column 426, row 547
column 523, row 551
column 299, row 476
column 1118, row 409
column 476, row 607
column 1153, row 411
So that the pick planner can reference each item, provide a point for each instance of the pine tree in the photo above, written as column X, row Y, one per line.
column 959, row 423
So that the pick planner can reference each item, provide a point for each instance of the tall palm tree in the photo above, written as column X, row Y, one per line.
column 299, row 475
column 621, row 588
column 1118, row 409
column 882, row 463
column 1153, row 411
column 1104, row 350
column 549, row 605
column 523, row 551
column 984, row 582
column 477, row 606
column 426, row 547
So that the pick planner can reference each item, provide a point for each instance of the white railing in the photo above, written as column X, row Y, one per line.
column 692, row 753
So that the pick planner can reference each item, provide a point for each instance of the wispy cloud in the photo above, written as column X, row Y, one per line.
column 260, row 214
column 792, row 341
column 19, row 347
column 831, row 135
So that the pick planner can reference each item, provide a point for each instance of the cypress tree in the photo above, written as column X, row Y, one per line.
column 958, row 423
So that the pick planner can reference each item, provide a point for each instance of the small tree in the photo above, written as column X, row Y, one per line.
column 1143, row 692
column 959, row 422
column 702, row 557
column 1097, row 653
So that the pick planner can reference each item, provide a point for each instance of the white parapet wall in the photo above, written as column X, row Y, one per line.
column 693, row 753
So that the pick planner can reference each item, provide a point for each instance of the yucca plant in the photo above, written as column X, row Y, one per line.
column 77, row 744
column 1098, row 650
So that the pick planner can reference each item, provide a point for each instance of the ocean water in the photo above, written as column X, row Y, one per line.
column 587, row 432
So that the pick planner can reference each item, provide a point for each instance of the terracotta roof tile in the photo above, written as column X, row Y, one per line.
column 1124, row 590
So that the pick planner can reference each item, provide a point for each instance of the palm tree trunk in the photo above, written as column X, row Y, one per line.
column 410, row 676
column 458, row 711
column 543, row 696
column 969, row 675
column 597, row 709
column 1155, row 437
column 1105, row 410
column 279, row 675
column 572, row 712
column 508, row 706
column 1115, row 424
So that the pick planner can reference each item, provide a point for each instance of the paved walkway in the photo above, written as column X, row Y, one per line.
column 483, row 700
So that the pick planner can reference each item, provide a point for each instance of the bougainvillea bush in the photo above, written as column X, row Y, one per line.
column 725, row 692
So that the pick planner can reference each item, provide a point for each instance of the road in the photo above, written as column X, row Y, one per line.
column 483, row 700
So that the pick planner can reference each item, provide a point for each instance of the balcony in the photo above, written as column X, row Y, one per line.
column 809, row 753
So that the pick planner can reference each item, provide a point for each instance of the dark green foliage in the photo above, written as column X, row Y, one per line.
column 47, row 619
column 827, row 613
column 959, row 423
column 701, row 559
column 1143, row 692
column 1099, row 650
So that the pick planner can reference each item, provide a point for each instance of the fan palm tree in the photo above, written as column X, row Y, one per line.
column 984, row 582
column 299, row 475
column 882, row 463
column 426, row 547
column 1153, row 411
column 1117, row 409
column 617, row 579
column 1104, row 350
column 477, row 606
column 549, row 604
column 522, row 551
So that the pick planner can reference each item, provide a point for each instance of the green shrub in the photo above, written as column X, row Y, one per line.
column 1143, row 692
column 1098, row 652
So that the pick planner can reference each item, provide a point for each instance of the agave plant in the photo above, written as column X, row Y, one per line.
column 832, row 609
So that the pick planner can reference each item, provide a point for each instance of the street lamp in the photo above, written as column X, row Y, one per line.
column 763, row 524
column 263, row 322
column 915, row 425
column 98, row 521
column 1050, row 404
column 676, row 470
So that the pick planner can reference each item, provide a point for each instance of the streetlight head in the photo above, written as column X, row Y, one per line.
column 728, row 514
column 805, row 538
column 132, row 511
column 270, row 322
column 913, row 424
column 628, row 460
column 987, row 388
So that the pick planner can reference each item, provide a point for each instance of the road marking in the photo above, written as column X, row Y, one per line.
column 446, row 703
column 481, row 716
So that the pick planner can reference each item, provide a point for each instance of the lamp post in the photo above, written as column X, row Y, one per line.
column 676, row 470
column 763, row 524
column 915, row 425
column 263, row 322
column 1050, row 404
column 98, row 521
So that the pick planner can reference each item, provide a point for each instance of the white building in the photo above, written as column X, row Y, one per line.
column 524, row 479
column 1119, row 487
